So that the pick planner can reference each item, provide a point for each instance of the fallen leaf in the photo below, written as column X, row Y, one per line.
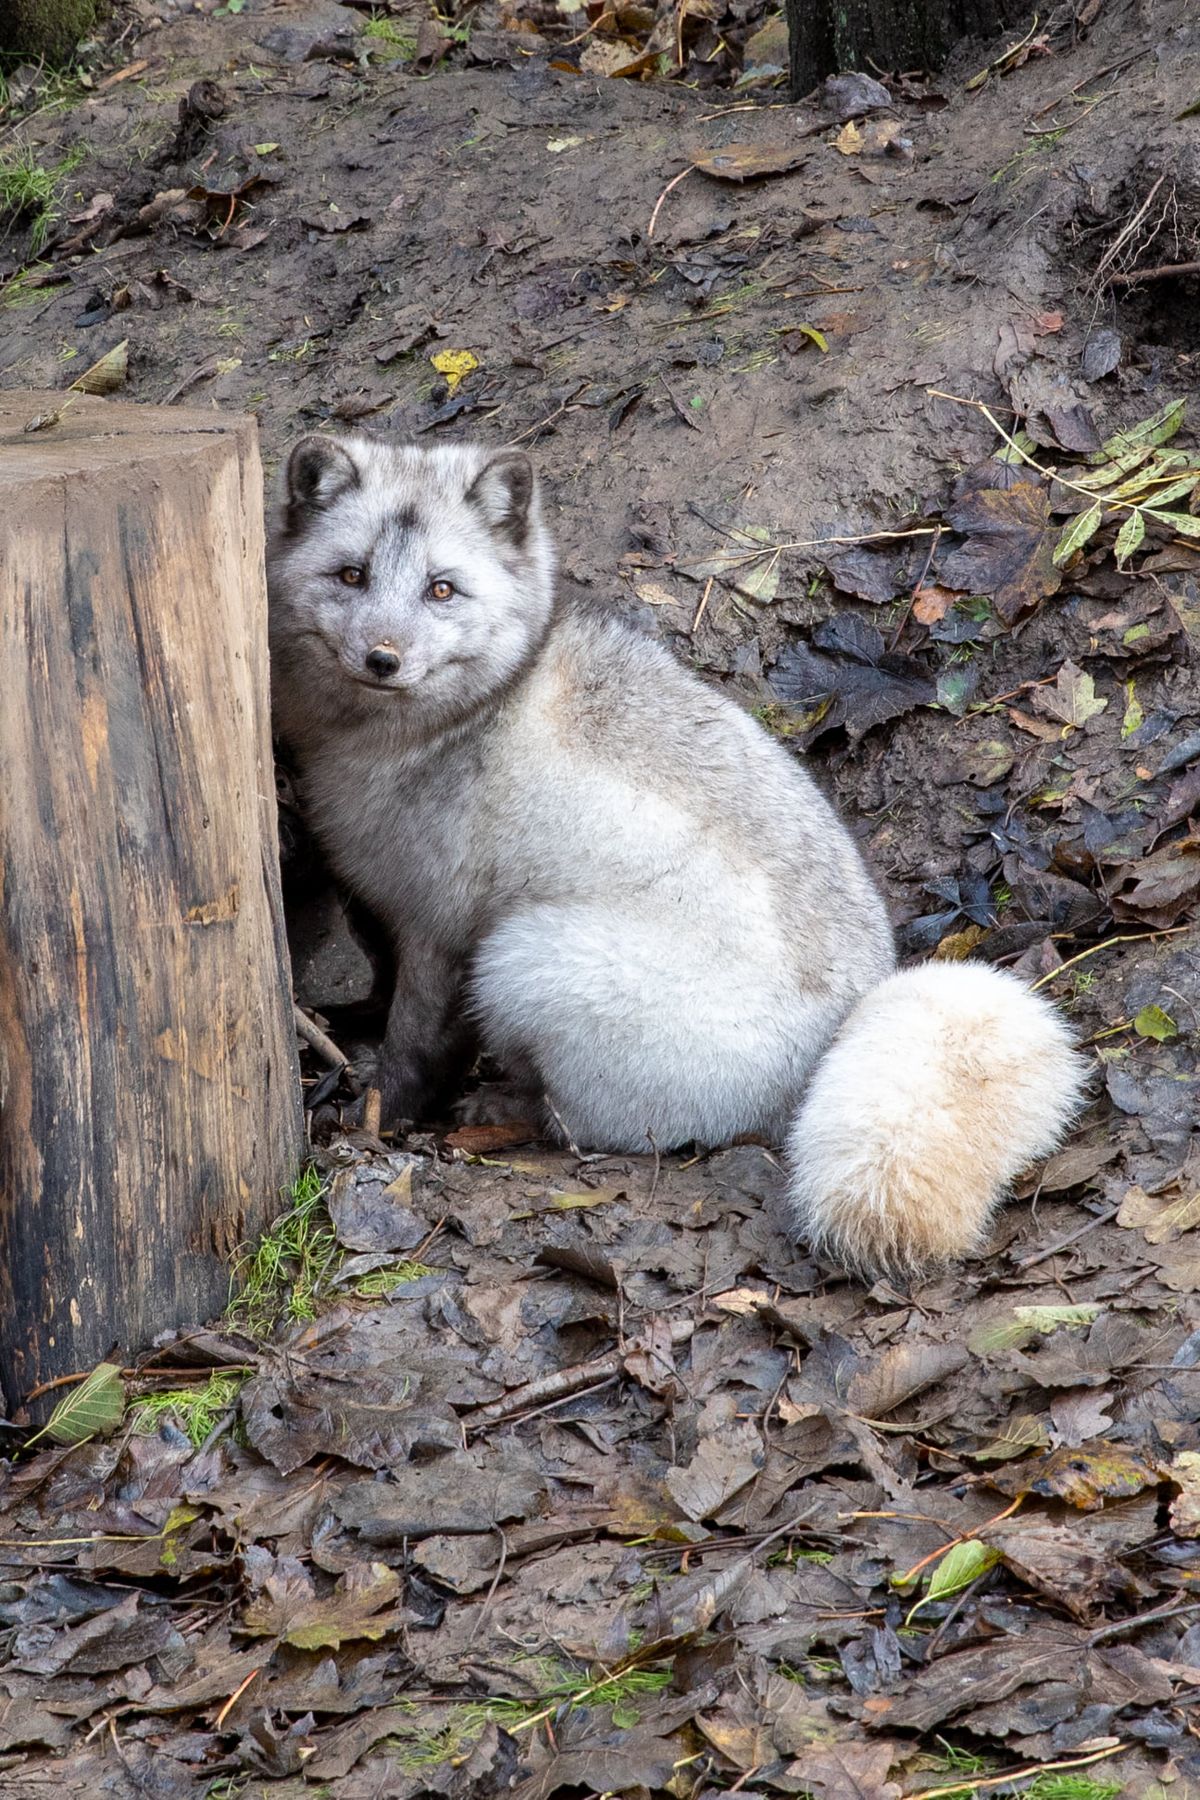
column 746, row 162
column 107, row 374
column 1163, row 1217
column 1084, row 1478
column 1153, row 1022
column 1072, row 699
column 1184, row 1472
column 455, row 365
column 1160, row 889
column 849, row 139
column 722, row 1466
column 93, row 1409
column 1009, row 548
column 287, row 1606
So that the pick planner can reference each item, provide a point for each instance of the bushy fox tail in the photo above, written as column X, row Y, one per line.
column 942, row 1085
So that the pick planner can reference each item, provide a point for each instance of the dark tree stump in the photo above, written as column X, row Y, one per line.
column 826, row 37
column 149, row 1091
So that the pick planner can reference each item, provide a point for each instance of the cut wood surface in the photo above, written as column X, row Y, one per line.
column 149, row 1094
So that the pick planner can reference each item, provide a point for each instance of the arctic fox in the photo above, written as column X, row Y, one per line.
column 604, row 873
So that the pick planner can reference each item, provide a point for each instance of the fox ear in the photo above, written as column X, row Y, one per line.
column 318, row 470
column 503, row 492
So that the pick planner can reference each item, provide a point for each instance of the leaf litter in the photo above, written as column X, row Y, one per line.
column 511, row 1473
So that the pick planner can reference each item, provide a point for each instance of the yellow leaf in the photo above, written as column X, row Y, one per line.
column 454, row 365
column 849, row 139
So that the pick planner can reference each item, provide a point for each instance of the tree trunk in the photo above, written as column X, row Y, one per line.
column 827, row 37
column 149, row 1091
column 45, row 28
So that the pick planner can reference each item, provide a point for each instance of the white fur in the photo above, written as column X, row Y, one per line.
column 942, row 1085
column 642, row 902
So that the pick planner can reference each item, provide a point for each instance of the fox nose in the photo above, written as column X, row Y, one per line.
column 382, row 662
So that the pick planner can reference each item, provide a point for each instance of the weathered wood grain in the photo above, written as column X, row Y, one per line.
column 149, row 1094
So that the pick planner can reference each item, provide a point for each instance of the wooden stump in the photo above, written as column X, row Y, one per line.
column 149, row 1091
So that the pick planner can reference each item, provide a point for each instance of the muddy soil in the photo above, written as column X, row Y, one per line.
column 728, row 386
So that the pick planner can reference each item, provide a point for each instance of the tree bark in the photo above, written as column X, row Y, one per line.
column 827, row 37
column 149, row 1090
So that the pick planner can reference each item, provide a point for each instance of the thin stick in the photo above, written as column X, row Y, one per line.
column 1050, row 474
column 233, row 1699
column 373, row 1111
column 1074, row 1762
column 1162, row 272
column 559, row 1383
column 317, row 1040
column 673, row 183
column 703, row 603
column 1127, row 937
column 1110, row 1212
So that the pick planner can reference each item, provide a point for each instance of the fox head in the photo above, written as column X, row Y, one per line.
column 408, row 582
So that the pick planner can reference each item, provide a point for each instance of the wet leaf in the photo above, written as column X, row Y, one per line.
column 1184, row 1473
column 959, row 1567
column 1026, row 1432
column 93, row 1409
column 1184, row 524
column 1083, row 1477
column 1072, row 700
column 1009, row 552
column 847, row 691
column 1159, row 428
column 287, row 1606
column 1153, row 1022
column 1161, row 888
column 722, row 1466
column 746, row 162
column 1162, row 1217
column 1076, row 534
column 1028, row 1322
column 1130, row 536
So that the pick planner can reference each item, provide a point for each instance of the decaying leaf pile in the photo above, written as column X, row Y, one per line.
column 578, row 1477
column 626, row 1493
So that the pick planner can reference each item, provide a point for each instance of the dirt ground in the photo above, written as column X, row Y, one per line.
column 523, row 1474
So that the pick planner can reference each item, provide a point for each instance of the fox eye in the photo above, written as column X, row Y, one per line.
column 441, row 589
column 353, row 575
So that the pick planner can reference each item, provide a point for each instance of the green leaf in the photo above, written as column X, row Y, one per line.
column 1130, row 535
column 93, row 1409
column 1022, row 445
column 959, row 1567
column 1142, row 489
column 817, row 337
column 1153, row 1022
column 1028, row 1322
column 955, row 687
column 1134, row 716
column 1157, row 429
column 1025, row 1432
column 1186, row 524
column 1077, row 533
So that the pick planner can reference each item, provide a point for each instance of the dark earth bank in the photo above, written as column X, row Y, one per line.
column 515, row 1473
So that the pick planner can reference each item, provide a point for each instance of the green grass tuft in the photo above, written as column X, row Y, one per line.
column 291, row 1270
column 282, row 1277
column 30, row 191
column 561, row 1689
column 195, row 1410
column 403, row 44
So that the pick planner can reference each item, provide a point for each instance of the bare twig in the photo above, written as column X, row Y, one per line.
column 1126, row 937
column 559, row 1383
column 673, row 183
column 317, row 1040
column 994, row 1781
